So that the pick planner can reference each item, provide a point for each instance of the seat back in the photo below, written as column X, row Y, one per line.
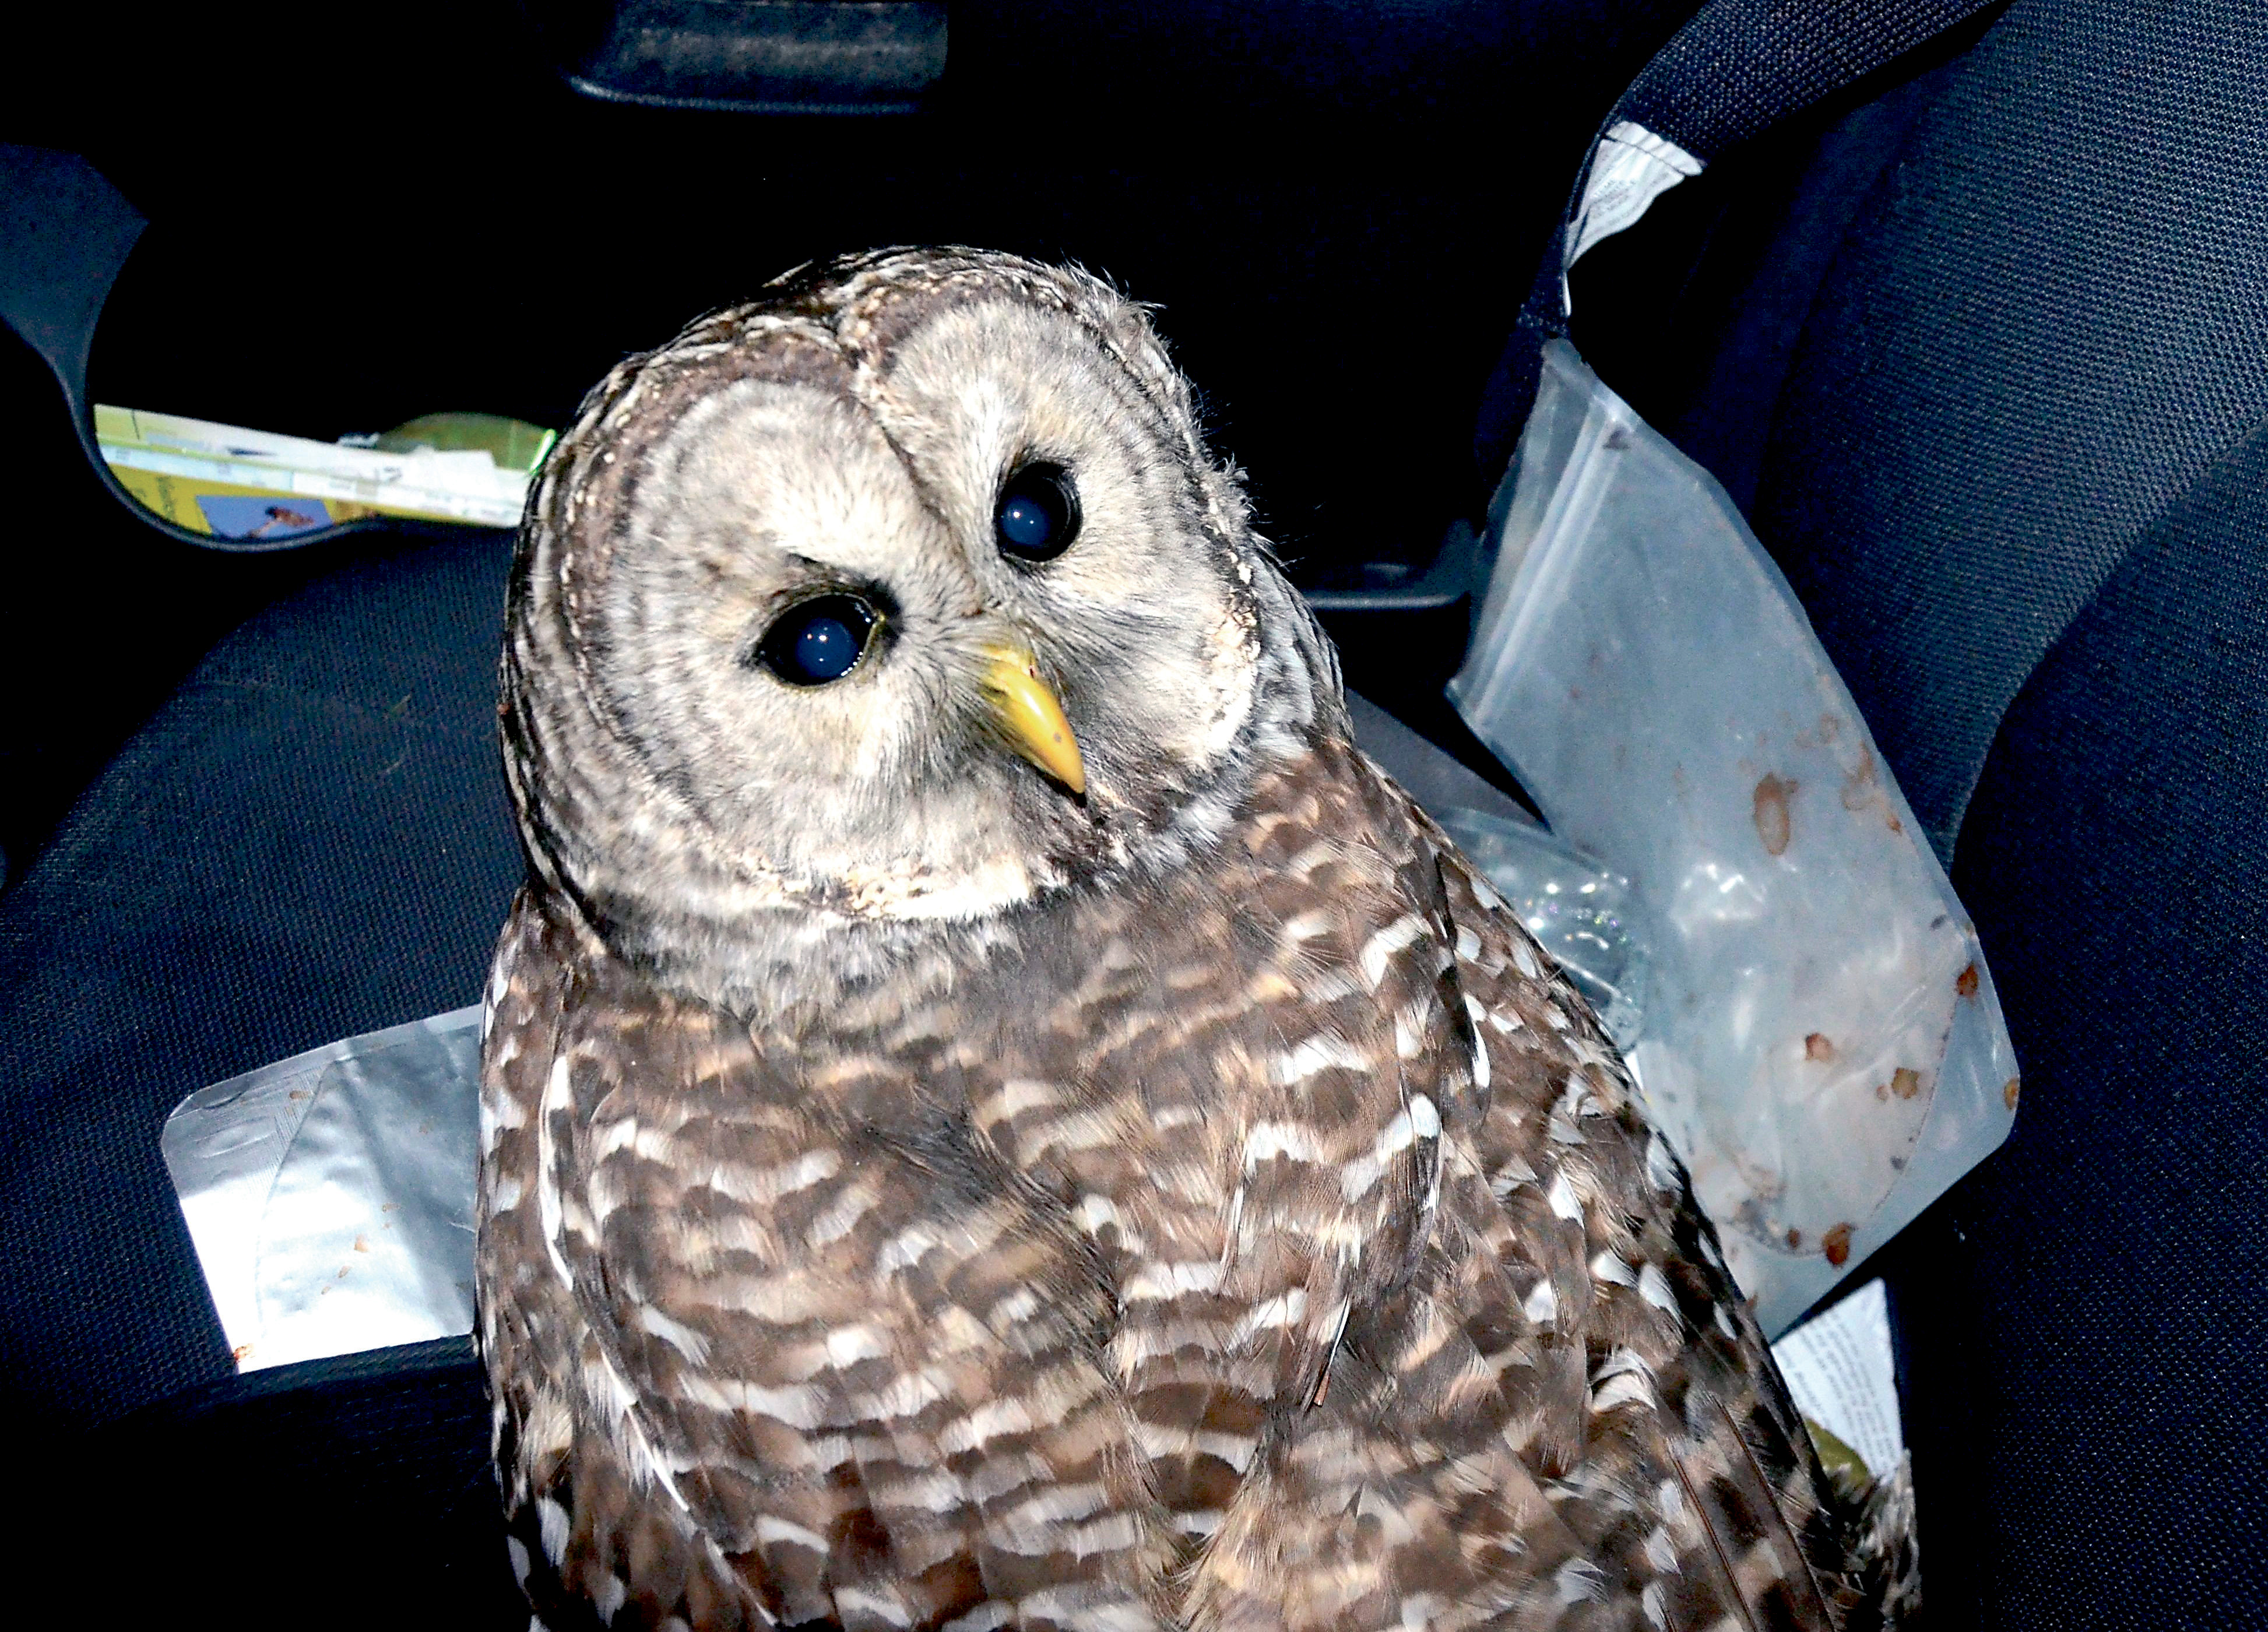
column 1984, row 358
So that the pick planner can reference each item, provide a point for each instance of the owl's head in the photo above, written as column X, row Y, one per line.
column 908, row 595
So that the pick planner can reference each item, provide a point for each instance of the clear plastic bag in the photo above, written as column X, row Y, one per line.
column 1818, row 1033
column 1578, row 911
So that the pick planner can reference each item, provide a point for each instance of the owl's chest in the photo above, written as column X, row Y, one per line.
column 1167, row 1073
column 1094, row 1043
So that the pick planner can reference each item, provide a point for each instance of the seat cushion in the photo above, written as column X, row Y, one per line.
column 309, row 839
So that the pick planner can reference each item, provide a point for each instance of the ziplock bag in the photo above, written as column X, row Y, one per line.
column 1818, row 1033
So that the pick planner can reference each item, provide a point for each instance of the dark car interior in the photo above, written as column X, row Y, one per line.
column 1977, row 342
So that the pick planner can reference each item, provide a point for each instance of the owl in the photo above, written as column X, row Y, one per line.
column 995, row 1112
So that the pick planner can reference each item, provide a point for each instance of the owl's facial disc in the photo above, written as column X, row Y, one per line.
column 915, row 597
column 900, row 710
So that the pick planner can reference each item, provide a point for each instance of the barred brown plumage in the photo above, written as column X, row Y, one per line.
column 916, row 1196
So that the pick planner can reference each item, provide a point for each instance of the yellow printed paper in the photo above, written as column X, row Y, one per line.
column 235, row 483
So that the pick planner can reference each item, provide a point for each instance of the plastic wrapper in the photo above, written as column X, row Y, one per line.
column 1811, row 1020
column 331, row 1195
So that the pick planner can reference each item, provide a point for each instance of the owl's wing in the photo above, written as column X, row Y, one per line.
column 746, row 1356
column 1677, row 1459
column 565, row 1478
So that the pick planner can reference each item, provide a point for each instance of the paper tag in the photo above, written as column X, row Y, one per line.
column 1632, row 168
column 1839, row 1367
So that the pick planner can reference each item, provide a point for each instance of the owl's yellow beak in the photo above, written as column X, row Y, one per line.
column 1029, row 717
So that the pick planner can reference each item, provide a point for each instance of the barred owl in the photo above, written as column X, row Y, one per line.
column 995, row 1112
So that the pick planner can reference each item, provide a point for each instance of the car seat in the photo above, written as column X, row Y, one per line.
column 1981, row 349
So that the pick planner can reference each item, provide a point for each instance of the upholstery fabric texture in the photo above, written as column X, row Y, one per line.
column 2047, row 320
column 2084, row 1316
column 1990, row 376
column 311, row 839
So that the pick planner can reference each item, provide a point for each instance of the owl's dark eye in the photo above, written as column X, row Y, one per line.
column 1038, row 514
column 818, row 640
